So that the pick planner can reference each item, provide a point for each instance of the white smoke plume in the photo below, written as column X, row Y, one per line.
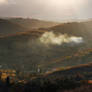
column 50, row 38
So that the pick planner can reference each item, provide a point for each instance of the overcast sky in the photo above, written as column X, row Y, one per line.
column 56, row 10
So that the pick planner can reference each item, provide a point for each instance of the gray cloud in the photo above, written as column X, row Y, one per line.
column 56, row 10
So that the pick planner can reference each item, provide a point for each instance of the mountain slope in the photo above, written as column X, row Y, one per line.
column 32, row 23
column 7, row 27
column 14, row 25
column 22, row 49
column 83, row 29
column 84, row 70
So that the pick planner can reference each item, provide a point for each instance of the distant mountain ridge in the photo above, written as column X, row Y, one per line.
column 14, row 25
column 7, row 27
column 32, row 23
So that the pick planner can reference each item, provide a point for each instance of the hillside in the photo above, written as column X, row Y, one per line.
column 14, row 25
column 22, row 49
column 7, row 27
column 32, row 23
column 83, row 69
column 82, row 29
column 74, row 28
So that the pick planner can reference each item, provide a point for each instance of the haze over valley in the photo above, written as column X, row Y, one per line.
column 44, row 45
